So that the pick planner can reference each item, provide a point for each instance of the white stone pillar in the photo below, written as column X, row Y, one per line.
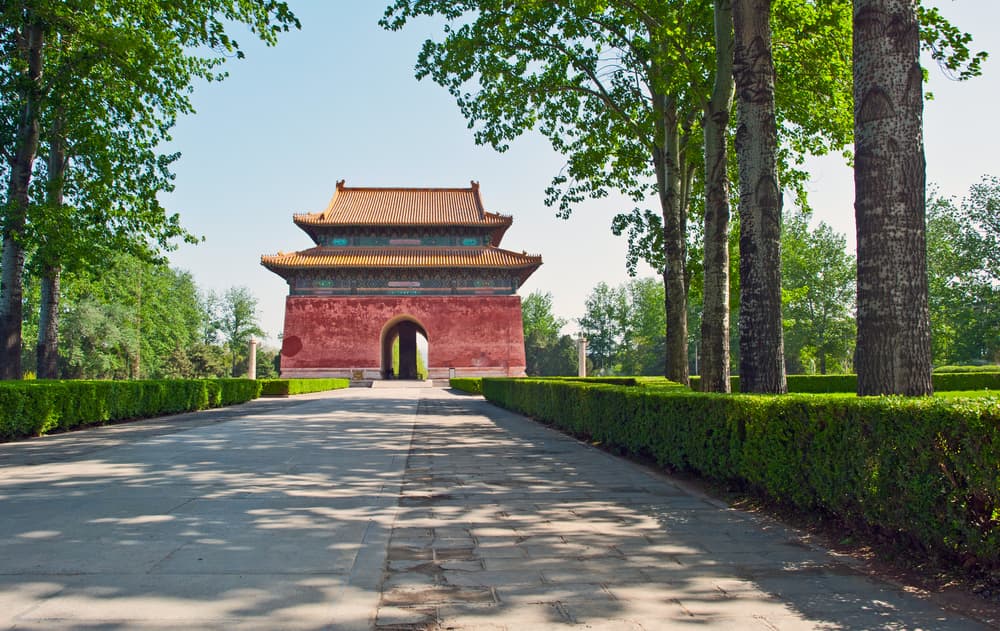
column 252, row 360
column 581, row 347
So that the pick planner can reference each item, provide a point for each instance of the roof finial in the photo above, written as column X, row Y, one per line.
column 340, row 185
column 475, row 185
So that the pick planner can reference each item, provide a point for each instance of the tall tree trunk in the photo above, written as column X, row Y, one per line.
column 715, row 314
column 47, row 350
column 15, row 217
column 894, row 344
column 136, row 367
column 666, row 160
column 762, row 357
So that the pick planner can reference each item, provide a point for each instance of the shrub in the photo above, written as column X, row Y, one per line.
column 472, row 385
column 966, row 381
column 734, row 383
column 822, row 383
column 943, row 381
column 239, row 390
column 922, row 469
column 984, row 368
column 286, row 387
column 33, row 408
column 617, row 381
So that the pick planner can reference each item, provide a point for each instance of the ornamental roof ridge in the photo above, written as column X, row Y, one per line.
column 341, row 186
column 398, row 205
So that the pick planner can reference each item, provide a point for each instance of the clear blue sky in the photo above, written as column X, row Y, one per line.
column 338, row 100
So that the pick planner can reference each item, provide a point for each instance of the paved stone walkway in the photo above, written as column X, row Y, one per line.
column 394, row 509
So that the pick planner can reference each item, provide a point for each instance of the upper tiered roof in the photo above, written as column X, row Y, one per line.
column 406, row 207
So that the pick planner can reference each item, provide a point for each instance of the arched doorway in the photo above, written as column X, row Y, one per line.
column 407, row 332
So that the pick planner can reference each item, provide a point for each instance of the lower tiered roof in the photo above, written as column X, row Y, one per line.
column 363, row 258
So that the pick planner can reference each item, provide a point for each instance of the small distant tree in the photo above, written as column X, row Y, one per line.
column 818, row 295
column 267, row 365
column 603, row 325
column 643, row 327
column 560, row 358
column 963, row 247
column 207, row 361
column 545, row 349
column 537, row 316
column 235, row 319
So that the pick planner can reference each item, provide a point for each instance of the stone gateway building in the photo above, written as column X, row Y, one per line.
column 395, row 263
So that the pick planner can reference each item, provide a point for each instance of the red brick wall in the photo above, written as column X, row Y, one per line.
column 337, row 336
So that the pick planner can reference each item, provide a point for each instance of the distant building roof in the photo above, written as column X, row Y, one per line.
column 485, row 257
column 418, row 207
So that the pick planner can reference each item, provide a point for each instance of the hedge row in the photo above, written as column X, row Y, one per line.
column 943, row 382
column 615, row 381
column 467, row 384
column 286, row 387
column 32, row 408
column 925, row 470
column 475, row 384
column 985, row 368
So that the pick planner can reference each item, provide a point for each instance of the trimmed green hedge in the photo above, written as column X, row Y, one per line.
column 616, row 381
column 286, row 387
column 734, row 383
column 948, row 381
column 943, row 381
column 32, row 408
column 473, row 385
column 985, row 368
column 923, row 470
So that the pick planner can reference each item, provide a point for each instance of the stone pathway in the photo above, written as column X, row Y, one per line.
column 270, row 515
column 395, row 510
column 506, row 524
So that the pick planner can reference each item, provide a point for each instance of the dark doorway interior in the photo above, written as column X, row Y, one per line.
column 406, row 332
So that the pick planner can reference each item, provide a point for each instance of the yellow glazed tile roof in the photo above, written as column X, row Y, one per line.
column 404, row 206
column 374, row 257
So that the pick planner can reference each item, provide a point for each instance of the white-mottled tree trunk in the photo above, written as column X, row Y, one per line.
column 667, row 164
column 894, row 344
column 715, row 313
column 47, row 350
column 762, row 357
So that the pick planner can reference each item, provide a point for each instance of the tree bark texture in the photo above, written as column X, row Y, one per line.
column 666, row 161
column 762, row 358
column 893, row 353
column 47, row 349
column 715, row 314
column 15, row 217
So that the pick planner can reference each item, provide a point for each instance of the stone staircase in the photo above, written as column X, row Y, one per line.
column 401, row 383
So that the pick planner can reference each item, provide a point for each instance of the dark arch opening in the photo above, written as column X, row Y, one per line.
column 406, row 331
